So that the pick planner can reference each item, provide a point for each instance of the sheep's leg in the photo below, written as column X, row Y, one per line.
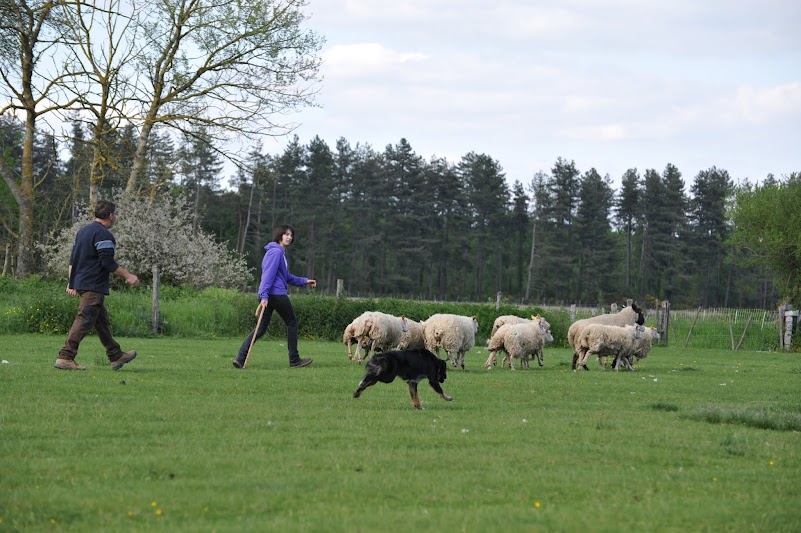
column 539, row 356
column 490, row 360
column 584, row 360
column 461, row 359
column 358, row 354
column 600, row 361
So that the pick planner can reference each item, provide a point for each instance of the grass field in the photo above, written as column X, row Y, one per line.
column 179, row 440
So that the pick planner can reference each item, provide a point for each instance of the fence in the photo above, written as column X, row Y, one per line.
column 723, row 328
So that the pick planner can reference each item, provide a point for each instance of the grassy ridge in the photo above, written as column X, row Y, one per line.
column 181, row 440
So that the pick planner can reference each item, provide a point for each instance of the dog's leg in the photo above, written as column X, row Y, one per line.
column 438, row 389
column 414, row 395
column 367, row 381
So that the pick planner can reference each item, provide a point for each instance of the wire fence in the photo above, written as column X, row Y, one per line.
column 722, row 328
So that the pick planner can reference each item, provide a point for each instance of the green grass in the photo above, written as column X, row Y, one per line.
column 179, row 440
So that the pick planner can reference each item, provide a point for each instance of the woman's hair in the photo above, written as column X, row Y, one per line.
column 279, row 231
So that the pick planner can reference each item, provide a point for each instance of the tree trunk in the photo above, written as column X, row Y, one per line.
column 527, row 298
column 141, row 152
column 628, row 257
column 25, row 200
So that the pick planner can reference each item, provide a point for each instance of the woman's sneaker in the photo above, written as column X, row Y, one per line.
column 300, row 362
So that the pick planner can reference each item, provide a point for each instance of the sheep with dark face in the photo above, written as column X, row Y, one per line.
column 628, row 315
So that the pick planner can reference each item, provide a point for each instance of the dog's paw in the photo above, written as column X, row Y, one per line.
column 357, row 394
column 447, row 398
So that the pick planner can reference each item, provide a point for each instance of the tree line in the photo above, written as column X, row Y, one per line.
column 391, row 223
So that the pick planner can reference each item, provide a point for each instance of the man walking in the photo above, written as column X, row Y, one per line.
column 91, row 261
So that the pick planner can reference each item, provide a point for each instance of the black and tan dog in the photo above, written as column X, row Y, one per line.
column 411, row 366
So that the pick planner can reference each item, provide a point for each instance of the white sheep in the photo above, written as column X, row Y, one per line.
column 414, row 336
column 509, row 320
column 642, row 347
column 628, row 315
column 381, row 331
column 456, row 334
column 350, row 335
column 506, row 319
column 519, row 340
column 600, row 339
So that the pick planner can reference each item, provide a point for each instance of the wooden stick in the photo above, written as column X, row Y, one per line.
column 692, row 327
column 260, row 312
column 743, row 335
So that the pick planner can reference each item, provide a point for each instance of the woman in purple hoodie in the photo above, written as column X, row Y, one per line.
column 273, row 291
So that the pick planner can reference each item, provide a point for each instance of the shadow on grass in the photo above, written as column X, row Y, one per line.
column 664, row 406
column 757, row 418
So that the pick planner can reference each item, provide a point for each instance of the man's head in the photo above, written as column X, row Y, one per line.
column 105, row 210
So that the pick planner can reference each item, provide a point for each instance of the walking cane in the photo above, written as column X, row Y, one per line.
column 259, row 313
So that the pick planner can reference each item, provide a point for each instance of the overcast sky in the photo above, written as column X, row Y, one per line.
column 610, row 84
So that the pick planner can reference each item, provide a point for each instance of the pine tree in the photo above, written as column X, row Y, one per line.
column 628, row 211
column 519, row 232
column 561, row 247
column 596, row 250
column 488, row 197
column 710, row 190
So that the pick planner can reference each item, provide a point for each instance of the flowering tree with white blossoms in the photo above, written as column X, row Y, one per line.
column 158, row 233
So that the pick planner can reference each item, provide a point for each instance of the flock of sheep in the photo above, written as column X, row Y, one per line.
column 620, row 336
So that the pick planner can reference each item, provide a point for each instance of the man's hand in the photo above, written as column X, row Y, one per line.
column 72, row 292
column 132, row 280
column 312, row 282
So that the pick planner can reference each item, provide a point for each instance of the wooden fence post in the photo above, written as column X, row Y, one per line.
column 665, row 323
column 692, row 327
column 743, row 335
column 340, row 287
column 155, row 317
column 498, row 302
column 788, row 327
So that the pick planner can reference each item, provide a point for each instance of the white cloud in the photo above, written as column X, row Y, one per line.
column 609, row 83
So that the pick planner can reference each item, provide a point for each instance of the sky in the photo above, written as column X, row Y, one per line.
column 610, row 85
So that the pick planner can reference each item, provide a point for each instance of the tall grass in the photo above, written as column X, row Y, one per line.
column 179, row 440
